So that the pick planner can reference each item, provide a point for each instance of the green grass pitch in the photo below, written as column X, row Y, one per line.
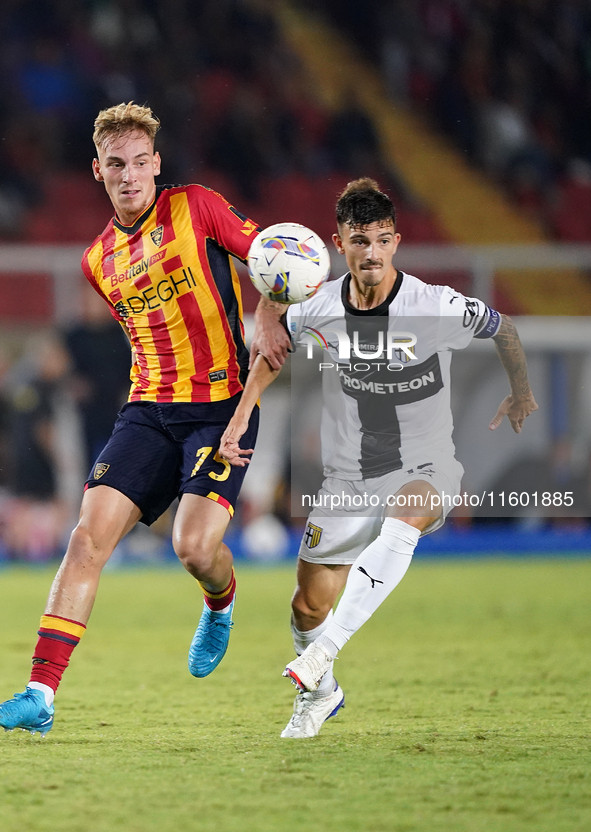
column 467, row 710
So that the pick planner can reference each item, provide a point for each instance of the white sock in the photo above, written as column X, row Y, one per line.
column 49, row 692
column 301, row 640
column 225, row 609
column 373, row 576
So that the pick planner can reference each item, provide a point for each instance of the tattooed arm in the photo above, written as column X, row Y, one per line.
column 521, row 402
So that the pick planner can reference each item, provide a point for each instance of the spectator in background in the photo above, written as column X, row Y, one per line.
column 35, row 517
column 509, row 83
column 101, row 362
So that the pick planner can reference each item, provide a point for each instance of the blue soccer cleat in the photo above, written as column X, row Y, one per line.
column 210, row 641
column 27, row 711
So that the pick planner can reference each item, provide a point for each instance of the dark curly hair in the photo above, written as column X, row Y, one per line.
column 362, row 203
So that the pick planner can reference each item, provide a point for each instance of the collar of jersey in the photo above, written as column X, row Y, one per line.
column 382, row 309
column 131, row 229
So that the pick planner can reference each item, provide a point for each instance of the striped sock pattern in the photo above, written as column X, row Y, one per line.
column 220, row 600
column 57, row 638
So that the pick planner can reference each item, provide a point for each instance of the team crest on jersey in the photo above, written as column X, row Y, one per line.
column 402, row 355
column 157, row 235
column 99, row 469
column 312, row 535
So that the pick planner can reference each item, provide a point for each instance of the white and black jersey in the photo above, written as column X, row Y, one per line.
column 386, row 371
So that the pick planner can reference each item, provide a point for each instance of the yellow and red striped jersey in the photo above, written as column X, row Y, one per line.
column 170, row 280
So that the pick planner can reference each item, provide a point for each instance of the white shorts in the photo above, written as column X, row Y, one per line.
column 347, row 516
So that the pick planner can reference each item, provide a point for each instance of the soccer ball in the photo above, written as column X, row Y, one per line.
column 288, row 263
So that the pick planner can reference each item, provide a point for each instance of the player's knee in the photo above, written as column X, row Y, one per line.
column 311, row 608
column 87, row 546
column 195, row 552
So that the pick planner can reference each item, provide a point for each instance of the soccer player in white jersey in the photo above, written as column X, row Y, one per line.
column 388, row 434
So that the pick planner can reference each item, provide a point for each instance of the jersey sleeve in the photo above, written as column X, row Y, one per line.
column 463, row 318
column 222, row 222
column 294, row 323
column 88, row 274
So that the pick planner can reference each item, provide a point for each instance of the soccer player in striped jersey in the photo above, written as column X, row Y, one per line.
column 163, row 265
column 386, row 433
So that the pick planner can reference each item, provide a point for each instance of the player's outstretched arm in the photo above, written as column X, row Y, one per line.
column 259, row 378
column 521, row 402
column 270, row 336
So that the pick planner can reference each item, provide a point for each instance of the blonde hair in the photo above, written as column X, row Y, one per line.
column 122, row 119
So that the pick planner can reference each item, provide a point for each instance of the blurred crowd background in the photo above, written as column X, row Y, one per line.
column 506, row 84
column 509, row 81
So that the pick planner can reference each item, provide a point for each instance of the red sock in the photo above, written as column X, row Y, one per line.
column 220, row 600
column 57, row 638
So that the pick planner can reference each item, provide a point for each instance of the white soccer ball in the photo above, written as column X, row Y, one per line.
column 288, row 262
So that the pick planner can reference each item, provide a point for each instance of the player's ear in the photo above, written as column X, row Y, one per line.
column 157, row 163
column 338, row 243
column 96, row 169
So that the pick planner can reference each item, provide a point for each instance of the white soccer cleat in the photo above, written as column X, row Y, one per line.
column 310, row 712
column 308, row 669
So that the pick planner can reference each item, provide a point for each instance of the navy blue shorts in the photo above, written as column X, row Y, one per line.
column 158, row 452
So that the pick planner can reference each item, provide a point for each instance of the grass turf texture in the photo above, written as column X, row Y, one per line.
column 467, row 710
